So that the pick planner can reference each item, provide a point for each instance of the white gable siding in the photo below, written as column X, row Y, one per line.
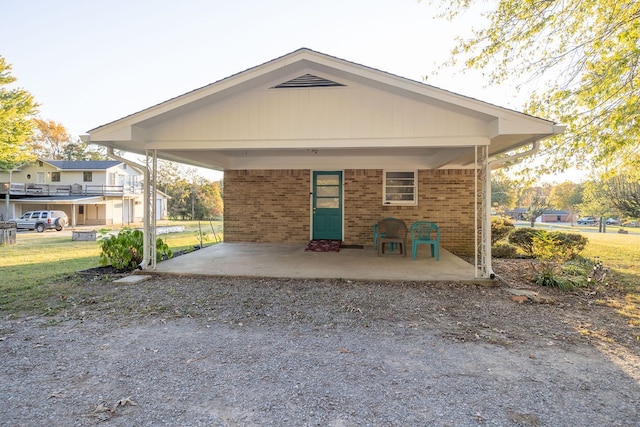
column 336, row 113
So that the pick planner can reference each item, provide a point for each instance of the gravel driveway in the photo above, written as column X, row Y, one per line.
column 246, row 352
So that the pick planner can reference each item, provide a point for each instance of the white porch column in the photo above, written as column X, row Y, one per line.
column 150, row 175
column 483, row 229
column 487, row 270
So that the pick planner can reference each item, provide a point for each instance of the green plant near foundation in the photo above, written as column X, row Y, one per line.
column 124, row 251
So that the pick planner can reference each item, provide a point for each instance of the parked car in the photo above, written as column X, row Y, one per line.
column 41, row 220
column 587, row 220
column 612, row 221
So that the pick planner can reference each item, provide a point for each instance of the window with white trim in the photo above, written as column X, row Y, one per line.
column 400, row 188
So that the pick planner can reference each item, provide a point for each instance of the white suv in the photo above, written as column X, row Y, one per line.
column 41, row 220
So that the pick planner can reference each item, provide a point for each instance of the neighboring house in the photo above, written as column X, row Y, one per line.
column 556, row 216
column 549, row 216
column 317, row 147
column 90, row 192
column 517, row 213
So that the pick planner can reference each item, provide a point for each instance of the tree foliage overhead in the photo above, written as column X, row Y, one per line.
column 17, row 107
column 587, row 55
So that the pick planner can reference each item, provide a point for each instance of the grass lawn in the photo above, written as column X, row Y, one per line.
column 40, row 258
column 620, row 253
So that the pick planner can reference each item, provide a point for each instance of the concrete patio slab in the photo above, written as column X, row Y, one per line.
column 291, row 260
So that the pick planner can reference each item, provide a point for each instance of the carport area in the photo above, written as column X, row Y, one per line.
column 291, row 260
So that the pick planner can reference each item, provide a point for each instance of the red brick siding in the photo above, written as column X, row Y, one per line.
column 273, row 206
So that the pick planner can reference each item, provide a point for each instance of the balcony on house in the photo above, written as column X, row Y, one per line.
column 30, row 189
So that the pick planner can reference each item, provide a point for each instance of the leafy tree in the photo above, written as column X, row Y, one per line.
column 585, row 54
column 192, row 196
column 596, row 203
column 17, row 107
column 566, row 196
column 504, row 191
column 624, row 194
column 50, row 139
column 539, row 205
column 81, row 151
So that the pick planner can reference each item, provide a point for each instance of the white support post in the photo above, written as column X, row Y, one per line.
column 483, row 231
column 485, row 244
column 150, row 175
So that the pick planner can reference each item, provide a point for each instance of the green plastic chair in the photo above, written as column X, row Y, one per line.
column 425, row 233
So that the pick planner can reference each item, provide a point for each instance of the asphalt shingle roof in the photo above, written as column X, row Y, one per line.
column 83, row 164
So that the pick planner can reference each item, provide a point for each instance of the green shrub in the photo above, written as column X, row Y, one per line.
column 500, row 228
column 125, row 251
column 504, row 250
column 569, row 245
column 523, row 239
column 554, row 250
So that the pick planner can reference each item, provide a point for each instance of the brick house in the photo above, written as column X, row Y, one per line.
column 313, row 146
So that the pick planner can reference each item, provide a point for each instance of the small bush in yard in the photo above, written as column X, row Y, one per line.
column 569, row 245
column 553, row 250
column 523, row 238
column 500, row 228
column 504, row 250
column 125, row 251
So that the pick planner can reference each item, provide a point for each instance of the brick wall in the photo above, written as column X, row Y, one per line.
column 274, row 206
column 444, row 197
column 266, row 205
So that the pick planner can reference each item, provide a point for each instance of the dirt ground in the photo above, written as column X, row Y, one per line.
column 246, row 351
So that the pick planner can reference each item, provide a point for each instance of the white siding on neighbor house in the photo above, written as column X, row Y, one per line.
column 120, row 175
column 329, row 113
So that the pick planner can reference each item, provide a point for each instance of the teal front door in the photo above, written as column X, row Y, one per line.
column 327, row 205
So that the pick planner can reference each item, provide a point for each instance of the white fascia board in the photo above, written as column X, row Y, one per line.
column 342, row 162
column 450, row 141
column 520, row 124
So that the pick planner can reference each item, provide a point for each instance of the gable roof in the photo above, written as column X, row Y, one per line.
column 241, row 122
column 84, row 165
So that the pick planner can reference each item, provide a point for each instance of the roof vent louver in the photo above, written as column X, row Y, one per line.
column 306, row 81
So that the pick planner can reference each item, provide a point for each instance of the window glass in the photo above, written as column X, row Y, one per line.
column 87, row 176
column 328, row 180
column 55, row 176
column 328, row 203
column 400, row 188
column 328, row 191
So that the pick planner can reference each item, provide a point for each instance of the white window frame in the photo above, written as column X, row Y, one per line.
column 385, row 186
